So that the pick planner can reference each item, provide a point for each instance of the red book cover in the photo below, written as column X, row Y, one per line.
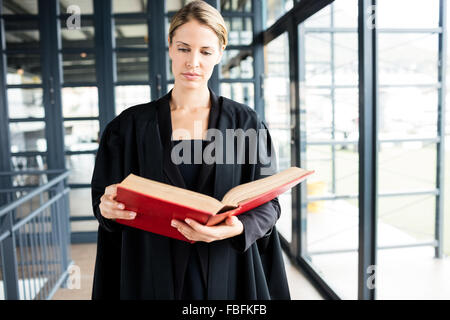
column 154, row 214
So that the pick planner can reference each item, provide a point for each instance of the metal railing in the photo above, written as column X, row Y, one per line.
column 34, row 235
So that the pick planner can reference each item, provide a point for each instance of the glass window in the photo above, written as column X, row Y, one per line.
column 79, row 67
column 240, row 92
column 84, row 37
column 332, row 237
column 20, row 7
column 317, row 58
column 175, row 5
column 346, row 114
column 345, row 15
column 398, row 161
column 342, row 181
column 236, row 64
column 85, row 6
column 81, row 135
column 28, row 136
column 80, row 102
column 81, row 167
column 21, row 35
column 132, row 66
column 321, row 19
column 329, row 109
column 129, row 6
column 407, row 112
column 318, row 126
column 345, row 70
column 407, row 58
column 24, row 68
column 25, row 103
column 84, row 226
column 408, row 220
column 79, row 207
column 131, row 33
column 128, row 96
column 277, row 115
column 414, row 14
column 238, row 6
column 275, row 9
column 38, row 162
column 408, row 109
column 239, row 30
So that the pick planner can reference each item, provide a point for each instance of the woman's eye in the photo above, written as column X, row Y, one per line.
column 206, row 53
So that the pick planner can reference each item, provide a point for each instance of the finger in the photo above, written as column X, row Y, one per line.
column 183, row 228
column 202, row 232
column 111, row 190
column 193, row 235
column 188, row 232
column 122, row 214
column 113, row 204
column 180, row 225
column 188, row 235
column 230, row 220
column 197, row 226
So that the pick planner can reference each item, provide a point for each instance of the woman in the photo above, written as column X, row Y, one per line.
column 238, row 259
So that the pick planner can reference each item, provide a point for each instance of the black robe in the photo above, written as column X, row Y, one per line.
column 134, row 264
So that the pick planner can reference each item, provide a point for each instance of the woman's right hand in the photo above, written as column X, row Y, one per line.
column 110, row 208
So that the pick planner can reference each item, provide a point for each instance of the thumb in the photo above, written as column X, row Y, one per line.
column 231, row 220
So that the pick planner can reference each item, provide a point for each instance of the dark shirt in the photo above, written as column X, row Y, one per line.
column 194, row 287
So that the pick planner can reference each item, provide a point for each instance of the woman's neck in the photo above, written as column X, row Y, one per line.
column 189, row 99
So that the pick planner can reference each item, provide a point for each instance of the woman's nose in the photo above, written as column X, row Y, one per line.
column 193, row 60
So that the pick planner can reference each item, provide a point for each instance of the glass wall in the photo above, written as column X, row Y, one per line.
column 275, row 9
column 278, row 117
column 447, row 152
column 408, row 102
column 236, row 71
column 80, row 108
column 24, row 88
column 408, row 47
column 132, row 52
column 329, row 103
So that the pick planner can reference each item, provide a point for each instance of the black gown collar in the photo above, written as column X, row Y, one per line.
column 165, row 129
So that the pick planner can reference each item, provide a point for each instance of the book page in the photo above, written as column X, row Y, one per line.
column 167, row 192
column 255, row 188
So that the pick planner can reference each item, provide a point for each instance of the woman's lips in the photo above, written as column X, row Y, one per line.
column 190, row 77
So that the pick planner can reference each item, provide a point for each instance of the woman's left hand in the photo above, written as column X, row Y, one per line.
column 195, row 231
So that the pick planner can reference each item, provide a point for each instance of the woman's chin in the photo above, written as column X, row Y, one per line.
column 190, row 84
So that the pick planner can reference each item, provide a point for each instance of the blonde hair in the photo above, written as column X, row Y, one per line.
column 205, row 14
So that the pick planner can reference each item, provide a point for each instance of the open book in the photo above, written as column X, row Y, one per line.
column 156, row 203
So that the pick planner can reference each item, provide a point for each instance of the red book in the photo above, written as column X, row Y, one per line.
column 156, row 203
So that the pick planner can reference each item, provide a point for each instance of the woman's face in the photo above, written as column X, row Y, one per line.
column 194, row 52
